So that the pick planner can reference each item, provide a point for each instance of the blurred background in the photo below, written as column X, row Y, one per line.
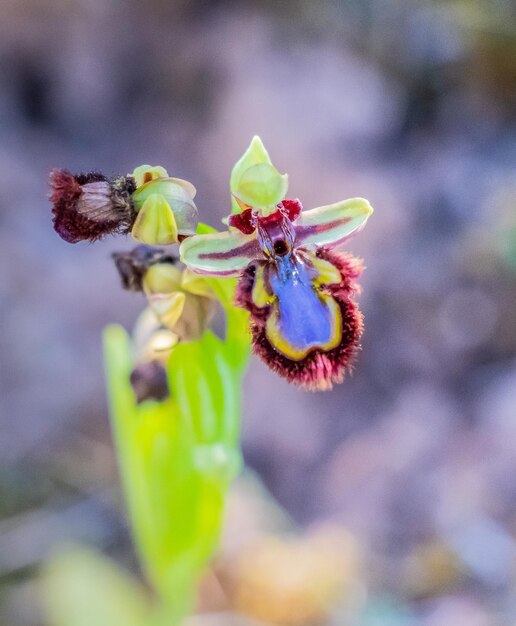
column 401, row 482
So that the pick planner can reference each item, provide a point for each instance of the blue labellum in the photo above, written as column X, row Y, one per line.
column 304, row 319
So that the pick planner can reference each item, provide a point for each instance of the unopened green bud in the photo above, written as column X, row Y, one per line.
column 178, row 194
column 162, row 278
column 181, row 302
column 162, row 285
column 160, row 345
column 155, row 223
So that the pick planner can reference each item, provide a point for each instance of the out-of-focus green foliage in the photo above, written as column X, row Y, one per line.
column 81, row 588
column 177, row 457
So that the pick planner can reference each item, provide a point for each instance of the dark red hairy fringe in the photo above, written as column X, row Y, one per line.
column 69, row 224
column 319, row 370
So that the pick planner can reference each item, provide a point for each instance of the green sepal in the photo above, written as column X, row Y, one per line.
column 256, row 154
column 261, row 185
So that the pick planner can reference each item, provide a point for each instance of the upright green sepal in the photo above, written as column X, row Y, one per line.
column 262, row 185
column 257, row 186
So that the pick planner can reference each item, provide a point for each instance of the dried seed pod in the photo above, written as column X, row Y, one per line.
column 133, row 265
column 88, row 206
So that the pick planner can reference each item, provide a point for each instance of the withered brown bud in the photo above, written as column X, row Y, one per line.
column 149, row 382
column 89, row 206
column 133, row 265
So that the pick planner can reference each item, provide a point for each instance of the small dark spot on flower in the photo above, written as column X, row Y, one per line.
column 280, row 247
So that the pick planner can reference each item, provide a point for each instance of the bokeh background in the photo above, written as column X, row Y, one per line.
column 401, row 482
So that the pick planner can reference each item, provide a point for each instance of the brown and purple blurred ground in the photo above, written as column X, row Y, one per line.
column 412, row 105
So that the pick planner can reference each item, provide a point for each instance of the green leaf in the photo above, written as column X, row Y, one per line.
column 177, row 457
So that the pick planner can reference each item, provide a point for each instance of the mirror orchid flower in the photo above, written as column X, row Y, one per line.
column 297, row 286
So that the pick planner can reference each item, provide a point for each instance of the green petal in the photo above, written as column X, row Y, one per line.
column 332, row 224
column 220, row 254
